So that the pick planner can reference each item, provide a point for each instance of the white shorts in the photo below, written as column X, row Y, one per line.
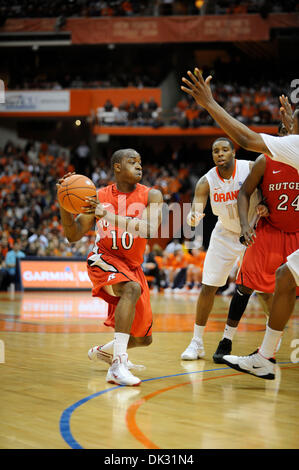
column 293, row 265
column 223, row 252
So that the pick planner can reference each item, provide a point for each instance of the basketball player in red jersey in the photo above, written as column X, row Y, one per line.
column 127, row 214
column 279, row 149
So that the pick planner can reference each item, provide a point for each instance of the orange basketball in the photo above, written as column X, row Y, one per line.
column 73, row 191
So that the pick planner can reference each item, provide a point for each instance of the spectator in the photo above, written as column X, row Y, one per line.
column 150, row 267
column 195, row 269
column 8, row 274
column 82, row 158
column 176, row 267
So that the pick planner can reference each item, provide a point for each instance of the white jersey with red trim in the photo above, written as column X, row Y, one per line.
column 224, row 193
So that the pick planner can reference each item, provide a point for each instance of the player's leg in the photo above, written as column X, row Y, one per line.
column 282, row 308
column 224, row 249
column 121, row 314
column 261, row 362
column 138, row 342
column 237, row 307
column 266, row 301
column 128, row 293
column 256, row 273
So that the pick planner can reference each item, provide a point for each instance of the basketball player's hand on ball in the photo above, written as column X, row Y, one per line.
column 94, row 207
column 248, row 235
column 262, row 210
column 61, row 180
column 193, row 218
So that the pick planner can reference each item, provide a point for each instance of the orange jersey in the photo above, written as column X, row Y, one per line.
column 115, row 241
column 178, row 261
column 198, row 260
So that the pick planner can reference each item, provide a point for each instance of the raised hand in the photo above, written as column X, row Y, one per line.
column 198, row 88
column 286, row 114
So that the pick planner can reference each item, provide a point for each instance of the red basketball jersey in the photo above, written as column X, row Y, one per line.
column 114, row 241
column 280, row 188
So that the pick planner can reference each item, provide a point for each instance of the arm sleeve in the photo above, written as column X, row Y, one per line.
column 283, row 149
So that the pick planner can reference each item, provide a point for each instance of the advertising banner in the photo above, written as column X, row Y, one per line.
column 36, row 101
column 168, row 29
column 54, row 274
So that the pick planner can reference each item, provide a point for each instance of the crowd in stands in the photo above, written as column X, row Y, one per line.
column 30, row 220
column 130, row 114
column 114, row 80
column 255, row 106
column 176, row 269
column 100, row 8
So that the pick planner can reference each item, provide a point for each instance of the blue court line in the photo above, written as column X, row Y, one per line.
column 64, row 424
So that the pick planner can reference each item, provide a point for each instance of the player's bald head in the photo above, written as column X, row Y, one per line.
column 122, row 153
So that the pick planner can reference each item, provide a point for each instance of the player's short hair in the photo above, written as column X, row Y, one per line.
column 227, row 140
column 120, row 154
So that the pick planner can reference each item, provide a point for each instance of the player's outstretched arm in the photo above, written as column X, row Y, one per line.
column 74, row 227
column 199, row 202
column 248, row 187
column 200, row 90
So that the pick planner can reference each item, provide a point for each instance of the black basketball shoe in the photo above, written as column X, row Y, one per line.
column 224, row 348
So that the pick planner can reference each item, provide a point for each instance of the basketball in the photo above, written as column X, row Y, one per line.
column 73, row 191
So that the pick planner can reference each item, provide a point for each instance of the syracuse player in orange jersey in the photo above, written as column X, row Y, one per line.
column 127, row 214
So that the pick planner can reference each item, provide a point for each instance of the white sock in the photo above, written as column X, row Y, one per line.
column 120, row 343
column 198, row 332
column 229, row 332
column 270, row 342
column 108, row 347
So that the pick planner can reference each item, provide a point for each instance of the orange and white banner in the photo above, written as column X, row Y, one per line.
column 168, row 29
column 38, row 274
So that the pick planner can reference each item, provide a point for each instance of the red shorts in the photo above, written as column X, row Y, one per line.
column 263, row 258
column 110, row 270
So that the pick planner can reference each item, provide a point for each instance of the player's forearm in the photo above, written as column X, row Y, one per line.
column 233, row 128
column 243, row 207
column 137, row 227
column 71, row 226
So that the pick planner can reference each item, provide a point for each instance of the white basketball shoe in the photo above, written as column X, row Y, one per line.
column 254, row 364
column 119, row 374
column 194, row 351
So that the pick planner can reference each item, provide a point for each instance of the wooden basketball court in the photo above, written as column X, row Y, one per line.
column 53, row 397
